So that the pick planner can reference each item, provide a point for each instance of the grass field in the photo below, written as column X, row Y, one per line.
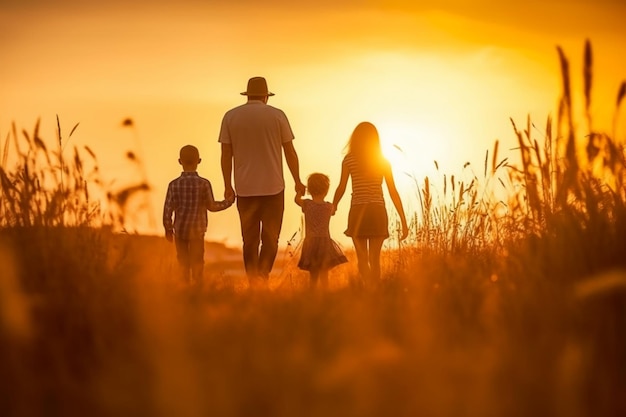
column 511, row 306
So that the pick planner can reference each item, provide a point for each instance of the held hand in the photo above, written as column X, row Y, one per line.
column 229, row 194
column 169, row 235
column 300, row 188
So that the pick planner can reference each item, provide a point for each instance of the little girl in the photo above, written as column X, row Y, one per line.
column 319, row 252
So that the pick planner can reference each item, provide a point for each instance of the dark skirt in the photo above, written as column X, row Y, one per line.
column 368, row 220
column 320, row 253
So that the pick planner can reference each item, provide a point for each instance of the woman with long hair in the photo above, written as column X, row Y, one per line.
column 368, row 224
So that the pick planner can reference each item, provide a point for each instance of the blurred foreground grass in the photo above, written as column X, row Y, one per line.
column 454, row 338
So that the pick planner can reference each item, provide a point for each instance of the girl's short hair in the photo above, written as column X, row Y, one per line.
column 318, row 184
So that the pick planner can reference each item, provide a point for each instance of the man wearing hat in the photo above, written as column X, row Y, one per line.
column 254, row 136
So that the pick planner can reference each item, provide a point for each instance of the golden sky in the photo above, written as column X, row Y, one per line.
column 439, row 78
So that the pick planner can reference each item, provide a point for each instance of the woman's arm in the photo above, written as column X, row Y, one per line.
column 341, row 188
column 395, row 198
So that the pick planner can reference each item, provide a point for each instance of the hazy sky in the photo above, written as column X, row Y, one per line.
column 440, row 79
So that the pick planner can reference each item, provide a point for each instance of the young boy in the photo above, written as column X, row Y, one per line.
column 188, row 198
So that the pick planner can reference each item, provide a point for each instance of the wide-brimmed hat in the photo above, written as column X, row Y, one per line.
column 257, row 86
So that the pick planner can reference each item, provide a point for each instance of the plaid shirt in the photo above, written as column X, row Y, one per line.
column 188, row 198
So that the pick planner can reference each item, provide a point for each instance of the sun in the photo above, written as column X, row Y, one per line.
column 415, row 151
column 405, row 148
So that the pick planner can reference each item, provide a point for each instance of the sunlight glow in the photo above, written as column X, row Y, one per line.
column 410, row 149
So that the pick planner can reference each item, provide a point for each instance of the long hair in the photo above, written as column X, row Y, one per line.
column 364, row 145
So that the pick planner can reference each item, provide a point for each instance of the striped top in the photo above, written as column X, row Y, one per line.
column 367, row 187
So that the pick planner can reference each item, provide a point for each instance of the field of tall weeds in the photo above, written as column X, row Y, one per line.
column 499, row 304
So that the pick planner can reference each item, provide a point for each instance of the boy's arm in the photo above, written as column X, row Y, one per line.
column 168, row 210
column 213, row 205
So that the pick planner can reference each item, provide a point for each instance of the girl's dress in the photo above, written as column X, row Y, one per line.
column 319, row 251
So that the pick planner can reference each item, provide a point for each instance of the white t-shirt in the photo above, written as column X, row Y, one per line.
column 256, row 132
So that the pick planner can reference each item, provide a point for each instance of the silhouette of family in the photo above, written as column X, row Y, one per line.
column 253, row 137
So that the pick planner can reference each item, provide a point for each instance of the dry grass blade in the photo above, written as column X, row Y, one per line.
column 40, row 143
column 36, row 130
column 89, row 151
column 587, row 78
column 461, row 192
column 546, row 168
column 564, row 74
column 73, row 129
column 537, row 153
column 78, row 162
column 621, row 94
column 15, row 139
column 485, row 164
column 59, row 139
column 494, row 158
column 522, row 147
column 568, row 180
column 560, row 117
column 427, row 201
column 5, row 152
column 565, row 112
column 548, row 143
column 500, row 164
